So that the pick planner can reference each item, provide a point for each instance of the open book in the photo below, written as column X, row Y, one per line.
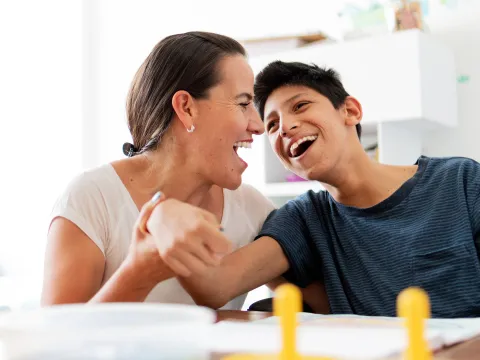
column 340, row 336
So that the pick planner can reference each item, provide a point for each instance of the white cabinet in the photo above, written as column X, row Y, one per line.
column 405, row 81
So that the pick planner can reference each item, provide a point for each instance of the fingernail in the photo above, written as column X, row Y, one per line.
column 156, row 197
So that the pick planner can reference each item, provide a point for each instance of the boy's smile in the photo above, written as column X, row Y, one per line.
column 304, row 129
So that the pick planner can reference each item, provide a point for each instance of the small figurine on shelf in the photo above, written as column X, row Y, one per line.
column 291, row 177
column 408, row 16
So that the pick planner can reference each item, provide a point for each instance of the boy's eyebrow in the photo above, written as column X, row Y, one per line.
column 289, row 100
column 293, row 98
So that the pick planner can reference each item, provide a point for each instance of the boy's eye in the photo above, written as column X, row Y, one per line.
column 299, row 105
column 271, row 124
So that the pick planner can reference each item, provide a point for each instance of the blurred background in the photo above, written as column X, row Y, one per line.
column 66, row 66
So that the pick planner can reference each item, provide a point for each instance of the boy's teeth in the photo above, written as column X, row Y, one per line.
column 242, row 144
column 298, row 142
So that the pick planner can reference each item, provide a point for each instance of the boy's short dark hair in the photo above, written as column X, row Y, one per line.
column 278, row 73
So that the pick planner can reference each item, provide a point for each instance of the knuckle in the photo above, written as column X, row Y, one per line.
column 168, row 253
column 192, row 232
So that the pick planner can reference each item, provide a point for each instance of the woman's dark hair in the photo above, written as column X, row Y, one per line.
column 188, row 62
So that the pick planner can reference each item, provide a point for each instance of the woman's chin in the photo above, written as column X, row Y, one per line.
column 233, row 184
column 230, row 181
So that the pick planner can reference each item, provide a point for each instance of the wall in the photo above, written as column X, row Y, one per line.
column 40, row 128
column 461, row 31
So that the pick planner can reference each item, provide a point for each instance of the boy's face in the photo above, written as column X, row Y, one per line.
column 306, row 132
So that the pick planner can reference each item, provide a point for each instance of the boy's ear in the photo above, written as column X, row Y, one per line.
column 185, row 108
column 353, row 111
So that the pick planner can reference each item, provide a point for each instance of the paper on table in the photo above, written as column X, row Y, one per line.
column 340, row 336
column 451, row 330
column 339, row 342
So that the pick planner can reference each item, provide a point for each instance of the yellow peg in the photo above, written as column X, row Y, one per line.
column 287, row 303
column 413, row 304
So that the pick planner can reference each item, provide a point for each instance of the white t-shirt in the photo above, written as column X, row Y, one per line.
column 100, row 205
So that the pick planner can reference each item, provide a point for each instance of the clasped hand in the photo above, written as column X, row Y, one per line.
column 188, row 239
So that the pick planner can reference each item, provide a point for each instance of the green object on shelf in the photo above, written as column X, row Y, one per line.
column 462, row 79
column 372, row 17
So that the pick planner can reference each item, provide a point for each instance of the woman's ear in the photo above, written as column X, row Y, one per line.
column 184, row 106
column 353, row 111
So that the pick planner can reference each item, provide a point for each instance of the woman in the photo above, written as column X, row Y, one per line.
column 189, row 110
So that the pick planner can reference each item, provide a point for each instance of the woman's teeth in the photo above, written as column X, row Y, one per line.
column 242, row 144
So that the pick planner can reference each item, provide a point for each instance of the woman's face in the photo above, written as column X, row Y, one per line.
column 226, row 121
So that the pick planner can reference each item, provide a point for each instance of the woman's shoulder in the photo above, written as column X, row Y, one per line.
column 89, row 191
column 84, row 201
column 89, row 183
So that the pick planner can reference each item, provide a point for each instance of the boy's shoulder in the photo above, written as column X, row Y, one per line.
column 458, row 163
column 304, row 204
column 455, row 168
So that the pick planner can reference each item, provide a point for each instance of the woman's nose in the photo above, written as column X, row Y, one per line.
column 255, row 125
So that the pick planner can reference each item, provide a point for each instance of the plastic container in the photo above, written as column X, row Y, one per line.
column 107, row 331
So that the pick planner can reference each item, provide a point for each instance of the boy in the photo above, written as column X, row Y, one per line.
column 377, row 230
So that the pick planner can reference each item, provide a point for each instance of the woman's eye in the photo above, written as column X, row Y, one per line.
column 244, row 105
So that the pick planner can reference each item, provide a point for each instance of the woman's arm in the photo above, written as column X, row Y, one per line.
column 74, row 266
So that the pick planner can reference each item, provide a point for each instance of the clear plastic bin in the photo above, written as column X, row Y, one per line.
column 107, row 331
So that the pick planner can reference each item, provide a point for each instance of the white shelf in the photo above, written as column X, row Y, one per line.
column 290, row 189
column 406, row 76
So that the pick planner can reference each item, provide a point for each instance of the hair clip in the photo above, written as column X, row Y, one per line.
column 128, row 149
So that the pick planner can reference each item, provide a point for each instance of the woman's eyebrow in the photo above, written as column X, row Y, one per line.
column 246, row 95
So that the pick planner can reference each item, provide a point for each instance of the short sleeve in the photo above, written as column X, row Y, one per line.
column 471, row 178
column 288, row 227
column 257, row 206
column 82, row 203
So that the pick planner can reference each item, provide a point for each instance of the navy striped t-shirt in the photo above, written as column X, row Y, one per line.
column 422, row 235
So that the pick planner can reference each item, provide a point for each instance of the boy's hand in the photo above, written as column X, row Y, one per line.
column 188, row 238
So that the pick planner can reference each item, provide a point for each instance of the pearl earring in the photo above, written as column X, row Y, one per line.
column 190, row 130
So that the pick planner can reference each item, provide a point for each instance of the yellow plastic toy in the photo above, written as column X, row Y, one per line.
column 287, row 303
column 413, row 305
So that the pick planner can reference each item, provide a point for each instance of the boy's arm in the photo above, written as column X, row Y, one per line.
column 239, row 272
column 314, row 295
column 283, row 248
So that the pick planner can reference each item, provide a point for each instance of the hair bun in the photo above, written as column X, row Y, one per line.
column 129, row 150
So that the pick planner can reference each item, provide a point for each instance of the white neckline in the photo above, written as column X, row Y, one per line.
column 126, row 193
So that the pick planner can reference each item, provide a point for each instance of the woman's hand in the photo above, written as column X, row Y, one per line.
column 143, row 255
column 189, row 239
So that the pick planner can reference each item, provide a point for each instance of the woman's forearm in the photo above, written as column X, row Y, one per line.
column 131, row 283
